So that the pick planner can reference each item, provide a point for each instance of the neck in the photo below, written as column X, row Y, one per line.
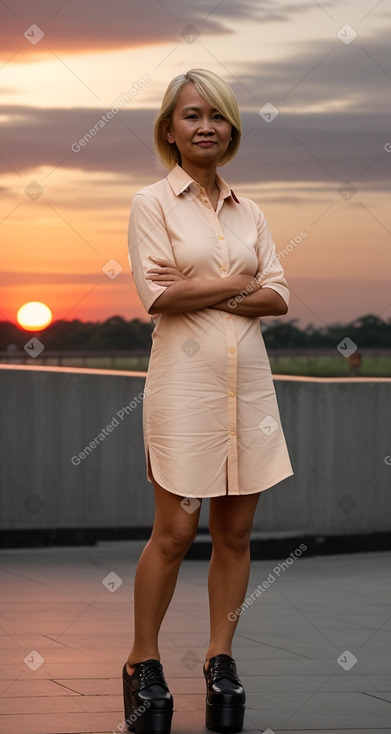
column 205, row 177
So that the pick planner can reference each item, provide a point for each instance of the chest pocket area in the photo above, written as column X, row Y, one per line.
column 242, row 250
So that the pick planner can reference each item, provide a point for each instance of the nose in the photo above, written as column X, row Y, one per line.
column 206, row 126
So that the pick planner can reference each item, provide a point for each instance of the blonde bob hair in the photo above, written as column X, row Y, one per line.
column 217, row 92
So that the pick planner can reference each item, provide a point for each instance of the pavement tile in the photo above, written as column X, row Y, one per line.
column 90, row 686
column 63, row 723
column 20, row 688
column 42, row 705
column 286, row 645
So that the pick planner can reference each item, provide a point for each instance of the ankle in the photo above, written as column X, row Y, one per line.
column 133, row 660
column 221, row 651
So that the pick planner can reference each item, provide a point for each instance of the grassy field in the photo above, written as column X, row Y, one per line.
column 330, row 366
column 336, row 366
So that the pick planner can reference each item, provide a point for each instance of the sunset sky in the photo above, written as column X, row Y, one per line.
column 322, row 165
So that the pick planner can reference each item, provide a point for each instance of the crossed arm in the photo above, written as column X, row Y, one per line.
column 240, row 293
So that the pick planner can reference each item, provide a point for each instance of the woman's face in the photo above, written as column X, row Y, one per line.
column 195, row 121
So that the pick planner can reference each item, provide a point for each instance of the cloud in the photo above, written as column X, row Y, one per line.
column 324, row 74
column 13, row 278
column 314, row 305
column 310, row 147
column 99, row 25
column 333, row 124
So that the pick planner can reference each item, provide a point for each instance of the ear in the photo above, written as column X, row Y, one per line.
column 166, row 130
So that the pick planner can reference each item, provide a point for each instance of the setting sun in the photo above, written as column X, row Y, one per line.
column 34, row 316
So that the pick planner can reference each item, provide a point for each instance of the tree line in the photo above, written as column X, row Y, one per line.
column 116, row 333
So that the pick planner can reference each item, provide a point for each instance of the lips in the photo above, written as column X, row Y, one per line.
column 206, row 143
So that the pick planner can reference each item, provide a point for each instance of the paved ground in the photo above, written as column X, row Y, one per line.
column 65, row 637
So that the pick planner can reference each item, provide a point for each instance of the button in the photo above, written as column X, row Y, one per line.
column 233, row 433
column 220, row 237
column 228, row 316
column 223, row 268
column 232, row 349
column 231, row 394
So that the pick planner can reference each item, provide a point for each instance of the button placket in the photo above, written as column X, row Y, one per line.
column 232, row 375
column 212, row 216
column 223, row 252
column 232, row 359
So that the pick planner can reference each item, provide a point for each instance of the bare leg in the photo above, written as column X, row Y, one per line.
column 173, row 532
column 230, row 523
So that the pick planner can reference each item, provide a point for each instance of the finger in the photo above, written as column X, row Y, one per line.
column 162, row 278
column 172, row 275
column 166, row 283
column 163, row 274
column 163, row 271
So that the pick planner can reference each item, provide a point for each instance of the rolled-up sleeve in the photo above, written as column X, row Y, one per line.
column 270, row 271
column 147, row 235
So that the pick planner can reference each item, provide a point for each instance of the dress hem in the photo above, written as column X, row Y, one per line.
column 271, row 484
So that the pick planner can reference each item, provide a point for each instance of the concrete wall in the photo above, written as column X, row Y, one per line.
column 338, row 434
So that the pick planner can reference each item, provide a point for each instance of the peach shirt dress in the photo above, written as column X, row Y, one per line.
column 210, row 416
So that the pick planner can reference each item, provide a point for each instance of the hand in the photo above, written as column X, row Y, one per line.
column 165, row 272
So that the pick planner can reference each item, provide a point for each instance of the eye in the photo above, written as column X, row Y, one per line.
column 193, row 114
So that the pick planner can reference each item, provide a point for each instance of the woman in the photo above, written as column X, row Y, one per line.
column 204, row 265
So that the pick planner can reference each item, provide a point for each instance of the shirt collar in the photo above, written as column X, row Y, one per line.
column 180, row 181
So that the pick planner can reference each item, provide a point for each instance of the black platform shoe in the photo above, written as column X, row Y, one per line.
column 225, row 696
column 147, row 701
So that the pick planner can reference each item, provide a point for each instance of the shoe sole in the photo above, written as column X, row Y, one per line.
column 149, row 721
column 152, row 723
column 224, row 718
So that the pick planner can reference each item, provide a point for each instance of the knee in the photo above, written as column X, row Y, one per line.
column 175, row 540
column 233, row 536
